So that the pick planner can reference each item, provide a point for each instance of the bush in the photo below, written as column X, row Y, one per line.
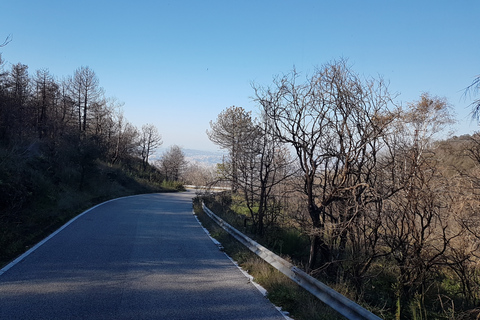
column 173, row 185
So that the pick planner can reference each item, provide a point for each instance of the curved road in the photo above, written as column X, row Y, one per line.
column 140, row 257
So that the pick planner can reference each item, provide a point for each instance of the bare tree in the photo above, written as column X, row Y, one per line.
column 416, row 226
column 199, row 175
column 7, row 40
column 85, row 86
column 262, row 164
column 65, row 117
column 335, row 123
column 19, row 119
column 3, row 100
column 474, row 87
column 125, row 139
column 173, row 163
column 149, row 142
column 464, row 252
column 46, row 101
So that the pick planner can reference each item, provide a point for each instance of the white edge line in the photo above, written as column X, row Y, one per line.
column 245, row 273
column 38, row 245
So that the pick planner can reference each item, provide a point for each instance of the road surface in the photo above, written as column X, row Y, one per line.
column 140, row 257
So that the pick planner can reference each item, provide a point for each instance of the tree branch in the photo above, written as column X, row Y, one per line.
column 7, row 40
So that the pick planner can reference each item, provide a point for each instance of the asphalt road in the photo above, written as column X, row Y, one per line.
column 141, row 257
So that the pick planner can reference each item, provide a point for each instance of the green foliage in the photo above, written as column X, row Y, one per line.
column 239, row 208
column 289, row 242
column 377, row 291
column 173, row 185
column 299, row 303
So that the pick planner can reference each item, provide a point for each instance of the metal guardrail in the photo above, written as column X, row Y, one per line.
column 207, row 188
column 335, row 300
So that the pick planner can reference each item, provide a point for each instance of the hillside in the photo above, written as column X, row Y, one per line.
column 40, row 192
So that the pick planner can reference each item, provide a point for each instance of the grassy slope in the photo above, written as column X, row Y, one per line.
column 38, row 196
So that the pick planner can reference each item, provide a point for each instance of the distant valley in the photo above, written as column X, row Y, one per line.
column 205, row 158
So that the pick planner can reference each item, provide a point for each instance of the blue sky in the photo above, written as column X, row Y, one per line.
column 178, row 64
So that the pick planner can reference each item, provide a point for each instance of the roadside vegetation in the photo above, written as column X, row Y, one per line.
column 370, row 197
column 281, row 291
column 64, row 147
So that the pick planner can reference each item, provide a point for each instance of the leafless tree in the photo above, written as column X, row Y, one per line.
column 335, row 123
column 65, row 113
column 46, row 102
column 262, row 164
column 464, row 252
column 7, row 40
column 3, row 100
column 85, row 86
column 125, row 139
column 19, row 119
column 173, row 163
column 149, row 142
column 416, row 226
column 199, row 175
column 474, row 88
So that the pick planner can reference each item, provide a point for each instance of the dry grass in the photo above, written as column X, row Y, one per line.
column 282, row 291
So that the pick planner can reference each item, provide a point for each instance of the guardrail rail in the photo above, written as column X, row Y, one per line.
column 335, row 300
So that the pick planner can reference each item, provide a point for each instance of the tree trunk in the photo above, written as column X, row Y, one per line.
column 261, row 209
column 314, row 245
column 316, row 241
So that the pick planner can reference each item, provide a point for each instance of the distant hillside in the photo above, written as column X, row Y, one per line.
column 203, row 157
